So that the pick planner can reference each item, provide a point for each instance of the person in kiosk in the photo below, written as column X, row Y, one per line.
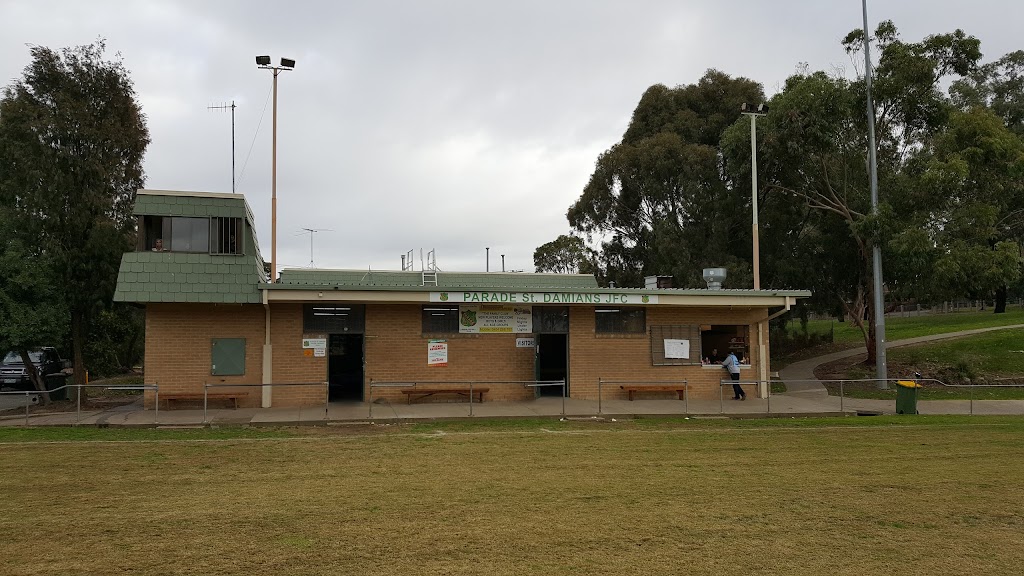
column 733, row 366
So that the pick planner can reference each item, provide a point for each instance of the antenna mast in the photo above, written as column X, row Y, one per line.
column 232, row 107
column 311, row 232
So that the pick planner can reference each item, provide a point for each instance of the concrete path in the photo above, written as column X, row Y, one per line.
column 800, row 379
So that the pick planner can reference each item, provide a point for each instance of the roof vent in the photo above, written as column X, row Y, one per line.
column 714, row 277
column 657, row 282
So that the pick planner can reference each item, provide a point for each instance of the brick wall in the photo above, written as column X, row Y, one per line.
column 178, row 353
column 628, row 357
column 396, row 351
column 178, row 341
column 291, row 365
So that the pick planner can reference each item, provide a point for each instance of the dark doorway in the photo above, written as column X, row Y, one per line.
column 552, row 362
column 345, row 367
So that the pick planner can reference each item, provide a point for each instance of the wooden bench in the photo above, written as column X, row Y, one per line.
column 424, row 392
column 677, row 388
column 168, row 396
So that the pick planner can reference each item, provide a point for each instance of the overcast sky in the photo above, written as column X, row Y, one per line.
column 452, row 125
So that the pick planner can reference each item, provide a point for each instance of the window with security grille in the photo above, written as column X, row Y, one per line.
column 226, row 235
column 334, row 318
column 438, row 319
column 551, row 319
column 675, row 345
column 621, row 320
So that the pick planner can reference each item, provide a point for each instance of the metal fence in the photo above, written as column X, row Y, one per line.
column 31, row 396
column 822, row 397
column 207, row 386
column 920, row 393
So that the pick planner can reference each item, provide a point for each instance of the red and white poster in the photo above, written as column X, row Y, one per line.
column 437, row 353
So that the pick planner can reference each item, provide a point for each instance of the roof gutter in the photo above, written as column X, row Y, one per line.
column 787, row 306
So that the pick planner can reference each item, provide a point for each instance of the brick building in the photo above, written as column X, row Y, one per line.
column 212, row 317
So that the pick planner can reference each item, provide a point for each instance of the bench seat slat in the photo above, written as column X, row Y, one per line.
column 679, row 389
column 424, row 392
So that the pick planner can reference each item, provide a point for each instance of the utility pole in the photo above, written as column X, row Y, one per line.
column 232, row 107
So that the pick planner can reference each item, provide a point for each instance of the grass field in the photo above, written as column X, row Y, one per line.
column 896, row 328
column 987, row 358
column 922, row 495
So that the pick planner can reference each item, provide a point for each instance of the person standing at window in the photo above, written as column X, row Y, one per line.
column 733, row 366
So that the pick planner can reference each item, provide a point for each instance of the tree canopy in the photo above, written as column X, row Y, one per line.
column 674, row 194
column 72, row 140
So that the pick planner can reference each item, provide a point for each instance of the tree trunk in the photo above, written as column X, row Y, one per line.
column 1000, row 300
column 33, row 375
column 78, row 363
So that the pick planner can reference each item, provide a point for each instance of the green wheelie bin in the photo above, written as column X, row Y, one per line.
column 906, row 396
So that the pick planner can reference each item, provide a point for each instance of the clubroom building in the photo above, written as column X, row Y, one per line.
column 213, row 317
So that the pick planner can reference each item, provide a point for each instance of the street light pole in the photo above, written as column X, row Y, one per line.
column 286, row 64
column 754, row 111
column 878, row 302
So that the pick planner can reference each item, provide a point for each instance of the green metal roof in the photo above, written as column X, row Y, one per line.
column 297, row 278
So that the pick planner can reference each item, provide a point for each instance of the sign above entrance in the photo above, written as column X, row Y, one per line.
column 541, row 298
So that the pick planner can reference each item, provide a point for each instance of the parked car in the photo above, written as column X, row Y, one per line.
column 13, row 373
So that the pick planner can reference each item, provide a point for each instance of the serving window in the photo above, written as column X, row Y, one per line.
column 718, row 340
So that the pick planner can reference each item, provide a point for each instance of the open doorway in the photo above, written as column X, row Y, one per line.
column 345, row 367
column 552, row 362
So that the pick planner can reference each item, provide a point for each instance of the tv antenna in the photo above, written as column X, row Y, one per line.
column 232, row 107
column 312, row 232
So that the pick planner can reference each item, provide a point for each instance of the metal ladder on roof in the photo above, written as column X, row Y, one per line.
column 429, row 268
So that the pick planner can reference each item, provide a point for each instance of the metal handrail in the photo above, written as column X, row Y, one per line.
column 327, row 394
column 78, row 409
column 542, row 383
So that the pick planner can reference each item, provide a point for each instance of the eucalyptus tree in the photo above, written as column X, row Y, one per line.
column 660, row 200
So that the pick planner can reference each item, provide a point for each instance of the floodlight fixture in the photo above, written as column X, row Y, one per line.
column 287, row 63
column 263, row 60
column 760, row 109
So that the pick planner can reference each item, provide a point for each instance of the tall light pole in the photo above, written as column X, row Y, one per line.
column 754, row 111
column 881, row 372
column 286, row 64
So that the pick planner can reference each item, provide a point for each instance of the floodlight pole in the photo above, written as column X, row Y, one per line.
column 273, row 189
column 881, row 371
column 754, row 111
column 264, row 63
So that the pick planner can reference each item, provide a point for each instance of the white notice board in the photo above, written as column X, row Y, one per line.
column 677, row 348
